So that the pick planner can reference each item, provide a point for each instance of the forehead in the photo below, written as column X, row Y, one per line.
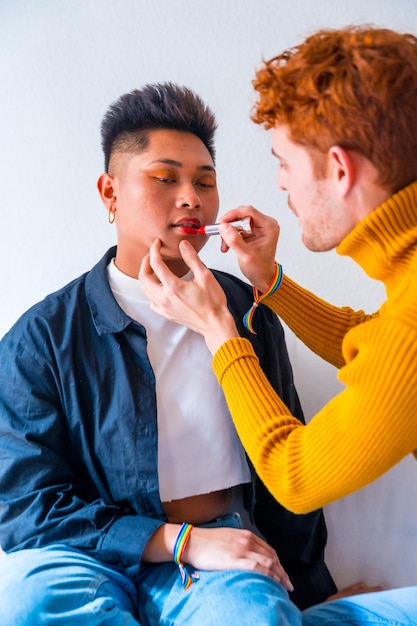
column 179, row 147
column 286, row 149
column 282, row 140
column 179, row 141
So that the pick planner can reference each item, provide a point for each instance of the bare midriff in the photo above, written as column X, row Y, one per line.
column 198, row 509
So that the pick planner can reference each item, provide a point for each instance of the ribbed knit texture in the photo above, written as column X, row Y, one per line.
column 372, row 424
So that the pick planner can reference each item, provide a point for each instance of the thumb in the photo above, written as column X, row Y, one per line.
column 191, row 257
column 231, row 238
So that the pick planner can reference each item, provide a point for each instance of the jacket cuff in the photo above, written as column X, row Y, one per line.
column 125, row 540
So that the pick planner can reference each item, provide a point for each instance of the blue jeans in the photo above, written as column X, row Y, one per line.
column 396, row 607
column 57, row 585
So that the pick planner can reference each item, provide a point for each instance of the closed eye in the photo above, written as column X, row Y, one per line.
column 207, row 182
column 206, row 185
column 164, row 179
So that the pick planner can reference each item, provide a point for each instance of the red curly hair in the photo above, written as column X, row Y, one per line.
column 355, row 87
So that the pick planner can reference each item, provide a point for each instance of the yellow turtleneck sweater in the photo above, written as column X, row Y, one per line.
column 372, row 424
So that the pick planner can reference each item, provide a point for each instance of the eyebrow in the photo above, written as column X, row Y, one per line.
column 208, row 168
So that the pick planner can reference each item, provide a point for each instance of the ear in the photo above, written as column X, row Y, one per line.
column 343, row 168
column 105, row 186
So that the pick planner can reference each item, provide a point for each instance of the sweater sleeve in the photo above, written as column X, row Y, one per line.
column 318, row 324
column 354, row 439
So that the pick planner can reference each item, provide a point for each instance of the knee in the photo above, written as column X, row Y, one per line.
column 20, row 599
column 256, row 598
column 39, row 597
column 43, row 585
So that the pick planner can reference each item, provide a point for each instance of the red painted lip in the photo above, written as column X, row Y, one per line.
column 188, row 225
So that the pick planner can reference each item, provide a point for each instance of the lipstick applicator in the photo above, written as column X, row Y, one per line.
column 244, row 226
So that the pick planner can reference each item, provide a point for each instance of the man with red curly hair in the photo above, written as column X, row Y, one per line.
column 342, row 107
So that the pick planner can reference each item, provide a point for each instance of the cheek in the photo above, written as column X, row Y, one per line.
column 301, row 188
column 215, row 202
column 211, row 210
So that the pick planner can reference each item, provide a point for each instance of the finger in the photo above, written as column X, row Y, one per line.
column 259, row 220
column 145, row 270
column 238, row 213
column 352, row 590
column 223, row 246
column 192, row 259
column 231, row 237
column 278, row 571
column 268, row 558
column 270, row 568
column 158, row 265
column 150, row 281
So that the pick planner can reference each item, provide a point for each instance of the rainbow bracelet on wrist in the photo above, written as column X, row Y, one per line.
column 275, row 283
column 179, row 545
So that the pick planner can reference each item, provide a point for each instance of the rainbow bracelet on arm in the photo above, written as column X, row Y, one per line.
column 275, row 283
column 179, row 545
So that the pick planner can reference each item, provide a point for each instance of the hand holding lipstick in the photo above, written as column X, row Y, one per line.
column 256, row 253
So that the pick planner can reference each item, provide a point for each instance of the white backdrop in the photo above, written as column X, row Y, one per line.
column 61, row 64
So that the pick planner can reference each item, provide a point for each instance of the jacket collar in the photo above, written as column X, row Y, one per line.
column 106, row 314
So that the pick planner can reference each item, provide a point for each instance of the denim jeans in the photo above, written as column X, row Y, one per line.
column 59, row 585
column 395, row 607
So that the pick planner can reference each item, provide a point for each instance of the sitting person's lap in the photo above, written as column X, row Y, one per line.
column 57, row 584
column 61, row 585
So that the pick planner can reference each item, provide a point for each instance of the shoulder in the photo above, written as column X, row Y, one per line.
column 53, row 312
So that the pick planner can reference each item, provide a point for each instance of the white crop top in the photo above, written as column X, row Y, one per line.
column 198, row 448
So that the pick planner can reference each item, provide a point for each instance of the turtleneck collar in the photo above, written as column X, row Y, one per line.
column 384, row 243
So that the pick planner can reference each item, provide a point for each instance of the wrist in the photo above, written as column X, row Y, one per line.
column 258, row 297
column 221, row 332
column 266, row 281
column 183, row 536
column 161, row 544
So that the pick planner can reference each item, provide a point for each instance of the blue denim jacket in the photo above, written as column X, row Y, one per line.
column 78, row 433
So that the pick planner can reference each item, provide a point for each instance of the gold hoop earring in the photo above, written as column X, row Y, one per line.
column 111, row 216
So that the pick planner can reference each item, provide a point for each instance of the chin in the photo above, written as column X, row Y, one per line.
column 317, row 245
column 310, row 244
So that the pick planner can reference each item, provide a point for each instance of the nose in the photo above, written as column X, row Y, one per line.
column 188, row 198
column 281, row 180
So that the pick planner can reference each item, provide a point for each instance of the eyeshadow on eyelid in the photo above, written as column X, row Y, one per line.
column 161, row 172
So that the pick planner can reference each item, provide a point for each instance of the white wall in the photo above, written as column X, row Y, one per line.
column 61, row 64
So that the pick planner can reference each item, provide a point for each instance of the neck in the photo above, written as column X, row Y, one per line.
column 365, row 193
column 130, row 265
column 383, row 243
